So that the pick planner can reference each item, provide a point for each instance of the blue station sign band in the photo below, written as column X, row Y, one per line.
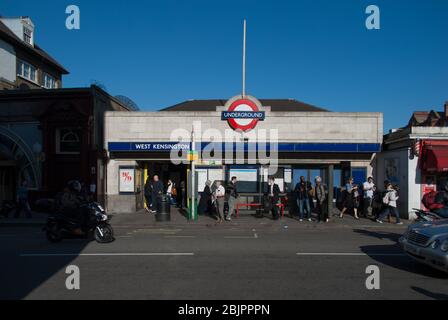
column 281, row 147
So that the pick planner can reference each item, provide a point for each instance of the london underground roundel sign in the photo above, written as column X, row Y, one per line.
column 243, row 114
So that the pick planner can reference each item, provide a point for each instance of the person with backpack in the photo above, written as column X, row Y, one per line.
column 390, row 201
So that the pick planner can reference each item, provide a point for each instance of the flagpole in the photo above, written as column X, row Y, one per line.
column 244, row 59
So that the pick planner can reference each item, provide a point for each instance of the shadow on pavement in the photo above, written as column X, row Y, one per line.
column 379, row 234
column 20, row 275
column 437, row 296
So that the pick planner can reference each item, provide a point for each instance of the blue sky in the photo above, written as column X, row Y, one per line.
column 318, row 51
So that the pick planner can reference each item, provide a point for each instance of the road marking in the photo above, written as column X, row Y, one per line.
column 349, row 254
column 180, row 236
column 255, row 236
column 28, row 255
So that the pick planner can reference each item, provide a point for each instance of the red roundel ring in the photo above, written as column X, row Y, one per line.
column 234, row 122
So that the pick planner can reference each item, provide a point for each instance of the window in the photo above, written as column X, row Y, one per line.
column 27, row 35
column 26, row 70
column 49, row 82
column 68, row 141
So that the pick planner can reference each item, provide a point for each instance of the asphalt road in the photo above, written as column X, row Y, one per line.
column 247, row 259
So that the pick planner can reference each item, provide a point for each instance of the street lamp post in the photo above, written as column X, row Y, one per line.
column 193, row 213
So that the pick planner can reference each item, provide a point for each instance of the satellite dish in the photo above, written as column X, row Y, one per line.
column 128, row 102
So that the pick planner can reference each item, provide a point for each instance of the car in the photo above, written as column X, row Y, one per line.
column 427, row 243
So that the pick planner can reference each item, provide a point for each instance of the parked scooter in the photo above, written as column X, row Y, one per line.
column 6, row 208
column 428, row 216
column 60, row 226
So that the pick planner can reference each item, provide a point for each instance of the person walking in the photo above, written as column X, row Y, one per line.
column 169, row 192
column 320, row 194
column 274, row 197
column 157, row 192
column 206, row 199
column 302, row 190
column 181, row 194
column 219, row 197
column 390, row 201
column 369, row 188
column 351, row 201
column 22, row 201
column 232, row 196
column 148, row 194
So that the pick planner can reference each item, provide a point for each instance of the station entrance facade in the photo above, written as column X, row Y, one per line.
column 284, row 139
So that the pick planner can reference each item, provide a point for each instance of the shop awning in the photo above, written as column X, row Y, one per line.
column 435, row 159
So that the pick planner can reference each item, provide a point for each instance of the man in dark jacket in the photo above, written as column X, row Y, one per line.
column 302, row 190
column 157, row 191
column 148, row 194
column 274, row 196
column 231, row 195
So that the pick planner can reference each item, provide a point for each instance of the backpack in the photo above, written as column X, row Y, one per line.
column 386, row 199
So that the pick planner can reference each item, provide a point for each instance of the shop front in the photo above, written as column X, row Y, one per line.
column 416, row 159
column 243, row 137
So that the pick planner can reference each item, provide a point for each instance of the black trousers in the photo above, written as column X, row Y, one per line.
column 274, row 209
column 322, row 210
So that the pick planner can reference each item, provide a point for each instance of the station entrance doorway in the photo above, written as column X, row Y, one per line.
column 166, row 170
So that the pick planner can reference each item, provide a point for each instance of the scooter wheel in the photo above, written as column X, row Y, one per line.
column 54, row 234
column 104, row 233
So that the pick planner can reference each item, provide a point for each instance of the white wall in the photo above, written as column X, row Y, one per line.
column 317, row 127
column 8, row 68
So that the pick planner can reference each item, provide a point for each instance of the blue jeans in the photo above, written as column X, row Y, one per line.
column 304, row 204
column 390, row 210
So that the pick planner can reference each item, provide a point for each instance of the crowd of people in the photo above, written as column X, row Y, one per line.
column 154, row 189
column 219, row 199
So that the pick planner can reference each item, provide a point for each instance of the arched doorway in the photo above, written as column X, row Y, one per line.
column 17, row 163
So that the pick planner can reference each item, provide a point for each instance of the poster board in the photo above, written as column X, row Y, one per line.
column 126, row 183
column 247, row 179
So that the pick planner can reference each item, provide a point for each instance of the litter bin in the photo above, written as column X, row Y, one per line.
column 163, row 209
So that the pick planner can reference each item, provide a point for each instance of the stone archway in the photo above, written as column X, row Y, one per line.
column 17, row 162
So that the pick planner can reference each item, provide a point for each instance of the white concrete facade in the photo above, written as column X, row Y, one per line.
column 316, row 127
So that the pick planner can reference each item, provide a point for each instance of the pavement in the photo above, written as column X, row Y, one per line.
column 247, row 258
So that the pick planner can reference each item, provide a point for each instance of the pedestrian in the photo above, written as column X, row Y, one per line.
column 22, row 200
column 206, row 198
column 169, row 191
column 390, row 201
column 369, row 188
column 232, row 196
column 274, row 197
column 157, row 192
column 302, row 191
column 351, row 201
column 181, row 193
column 148, row 194
column 219, row 197
column 321, row 195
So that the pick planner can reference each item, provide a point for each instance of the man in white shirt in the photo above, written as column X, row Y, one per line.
column 369, row 189
column 219, row 197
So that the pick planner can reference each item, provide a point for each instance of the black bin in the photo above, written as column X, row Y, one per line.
column 163, row 209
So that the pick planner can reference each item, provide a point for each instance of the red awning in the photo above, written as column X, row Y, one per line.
column 435, row 159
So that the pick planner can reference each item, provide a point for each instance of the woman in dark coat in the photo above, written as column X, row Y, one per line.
column 206, row 199
column 351, row 201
